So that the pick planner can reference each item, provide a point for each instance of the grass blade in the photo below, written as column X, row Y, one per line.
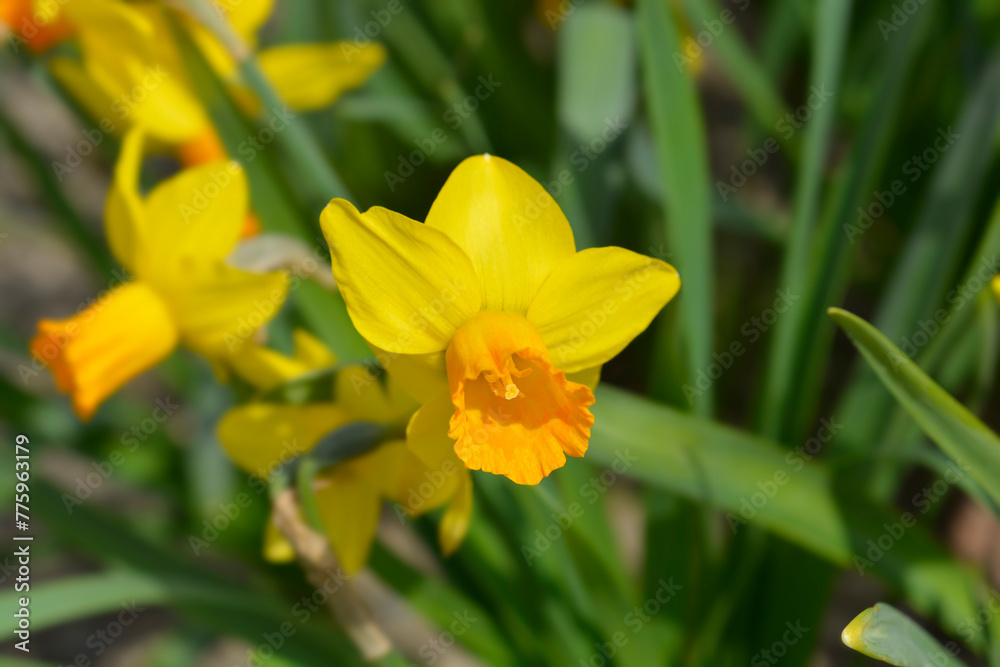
column 834, row 250
column 681, row 143
column 930, row 260
column 724, row 468
column 745, row 72
column 832, row 22
column 946, row 421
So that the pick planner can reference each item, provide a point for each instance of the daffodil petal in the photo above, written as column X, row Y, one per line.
column 198, row 213
column 139, row 72
column 105, row 345
column 124, row 221
column 113, row 37
column 311, row 351
column 596, row 302
column 421, row 376
column 247, row 16
column 264, row 368
column 261, row 437
column 312, row 76
column 455, row 522
column 414, row 487
column 427, row 433
column 509, row 226
column 362, row 392
column 407, row 286
column 349, row 506
column 219, row 308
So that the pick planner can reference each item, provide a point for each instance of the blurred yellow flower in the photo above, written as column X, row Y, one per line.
column 37, row 23
column 260, row 437
column 483, row 311
column 174, row 242
column 131, row 71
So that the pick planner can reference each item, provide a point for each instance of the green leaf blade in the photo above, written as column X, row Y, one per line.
column 682, row 149
column 946, row 421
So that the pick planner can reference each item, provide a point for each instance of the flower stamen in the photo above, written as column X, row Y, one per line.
column 502, row 384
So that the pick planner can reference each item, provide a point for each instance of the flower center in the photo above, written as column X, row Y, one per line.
column 494, row 358
column 502, row 384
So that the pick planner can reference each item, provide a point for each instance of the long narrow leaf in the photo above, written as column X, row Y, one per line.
column 835, row 247
column 756, row 480
column 946, row 421
column 923, row 276
column 832, row 21
column 682, row 148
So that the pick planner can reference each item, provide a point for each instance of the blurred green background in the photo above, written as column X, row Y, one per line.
column 815, row 154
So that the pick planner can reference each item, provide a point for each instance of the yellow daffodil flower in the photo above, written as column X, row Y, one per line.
column 489, row 315
column 174, row 245
column 995, row 284
column 131, row 71
column 260, row 437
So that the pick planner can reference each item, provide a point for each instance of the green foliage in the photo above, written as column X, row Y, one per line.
column 745, row 465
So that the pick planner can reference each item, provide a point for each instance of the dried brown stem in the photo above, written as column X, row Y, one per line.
column 323, row 571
